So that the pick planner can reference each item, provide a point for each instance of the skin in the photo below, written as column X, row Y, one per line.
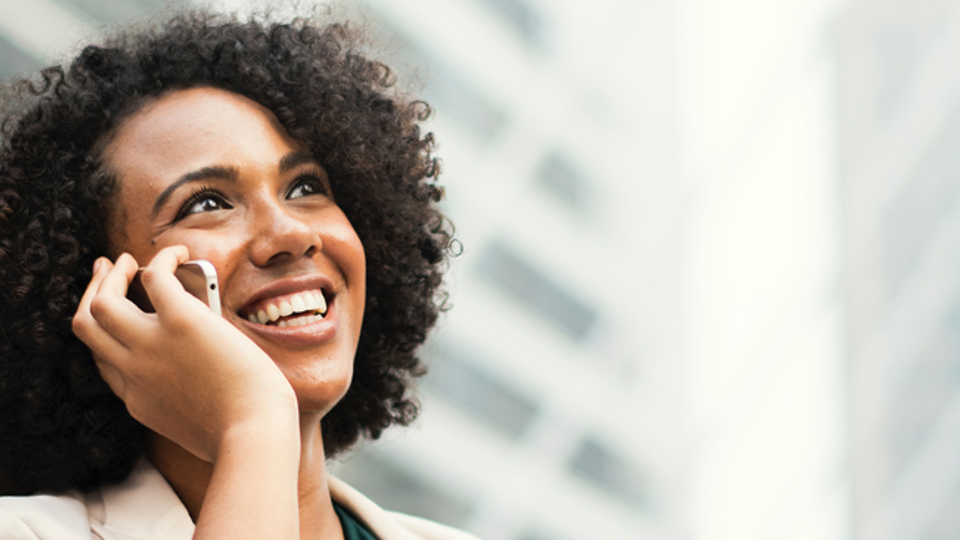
column 233, row 407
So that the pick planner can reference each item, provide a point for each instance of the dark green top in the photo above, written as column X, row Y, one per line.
column 352, row 528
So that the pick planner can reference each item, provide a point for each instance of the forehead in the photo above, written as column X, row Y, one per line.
column 187, row 130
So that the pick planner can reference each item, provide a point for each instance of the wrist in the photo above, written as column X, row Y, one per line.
column 271, row 433
column 253, row 491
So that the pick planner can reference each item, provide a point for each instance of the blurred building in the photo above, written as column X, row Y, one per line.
column 767, row 420
column 553, row 405
column 899, row 89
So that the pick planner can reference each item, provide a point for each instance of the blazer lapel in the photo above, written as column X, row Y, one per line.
column 144, row 507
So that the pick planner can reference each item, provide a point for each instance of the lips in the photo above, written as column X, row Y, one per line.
column 295, row 301
column 294, row 309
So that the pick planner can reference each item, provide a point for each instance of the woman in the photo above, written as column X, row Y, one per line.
column 278, row 153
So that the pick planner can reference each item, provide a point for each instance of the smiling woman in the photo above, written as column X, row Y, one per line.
column 281, row 155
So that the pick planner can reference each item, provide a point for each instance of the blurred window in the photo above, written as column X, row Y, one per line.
column 924, row 200
column 447, row 90
column 15, row 62
column 897, row 50
column 536, row 291
column 459, row 378
column 396, row 488
column 538, row 534
column 121, row 10
column 521, row 16
column 945, row 523
column 450, row 94
column 921, row 395
column 602, row 467
column 564, row 180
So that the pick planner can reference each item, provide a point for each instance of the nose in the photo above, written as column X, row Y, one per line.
column 281, row 235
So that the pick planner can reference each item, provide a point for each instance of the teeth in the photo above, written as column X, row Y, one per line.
column 307, row 301
column 300, row 321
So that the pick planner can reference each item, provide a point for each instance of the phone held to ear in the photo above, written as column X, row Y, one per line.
column 198, row 278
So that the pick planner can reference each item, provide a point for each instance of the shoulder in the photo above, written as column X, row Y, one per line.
column 390, row 525
column 42, row 517
column 143, row 507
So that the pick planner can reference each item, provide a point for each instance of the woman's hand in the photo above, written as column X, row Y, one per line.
column 183, row 372
column 195, row 379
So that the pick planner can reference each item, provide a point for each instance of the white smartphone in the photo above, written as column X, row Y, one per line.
column 198, row 277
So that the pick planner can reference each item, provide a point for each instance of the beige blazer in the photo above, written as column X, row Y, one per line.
column 145, row 507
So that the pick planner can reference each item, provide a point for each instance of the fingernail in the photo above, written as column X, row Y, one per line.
column 96, row 264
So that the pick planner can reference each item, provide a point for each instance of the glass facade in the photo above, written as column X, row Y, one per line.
column 536, row 291
column 898, row 111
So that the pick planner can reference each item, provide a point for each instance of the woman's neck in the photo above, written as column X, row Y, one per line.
column 189, row 477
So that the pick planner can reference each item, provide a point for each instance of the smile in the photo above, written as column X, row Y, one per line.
column 298, row 309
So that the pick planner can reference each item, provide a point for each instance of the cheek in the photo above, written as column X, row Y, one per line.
column 223, row 255
column 349, row 254
column 359, row 260
column 224, row 251
column 342, row 245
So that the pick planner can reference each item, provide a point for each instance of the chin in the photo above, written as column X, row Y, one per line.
column 317, row 395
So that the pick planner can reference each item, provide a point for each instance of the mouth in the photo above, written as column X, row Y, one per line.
column 296, row 309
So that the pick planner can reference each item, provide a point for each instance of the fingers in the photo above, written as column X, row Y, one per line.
column 101, row 267
column 117, row 280
column 106, row 318
column 111, row 309
column 85, row 325
column 101, row 342
column 112, row 326
column 165, row 290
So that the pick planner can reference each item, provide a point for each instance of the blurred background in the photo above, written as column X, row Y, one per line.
column 707, row 288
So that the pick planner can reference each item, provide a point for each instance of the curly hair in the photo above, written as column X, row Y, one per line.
column 60, row 426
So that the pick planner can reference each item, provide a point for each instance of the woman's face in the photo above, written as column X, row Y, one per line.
column 214, row 171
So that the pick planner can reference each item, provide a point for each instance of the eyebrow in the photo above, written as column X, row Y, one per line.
column 206, row 173
column 288, row 162
column 295, row 159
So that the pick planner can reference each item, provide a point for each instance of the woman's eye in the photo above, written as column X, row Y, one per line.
column 307, row 185
column 203, row 202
